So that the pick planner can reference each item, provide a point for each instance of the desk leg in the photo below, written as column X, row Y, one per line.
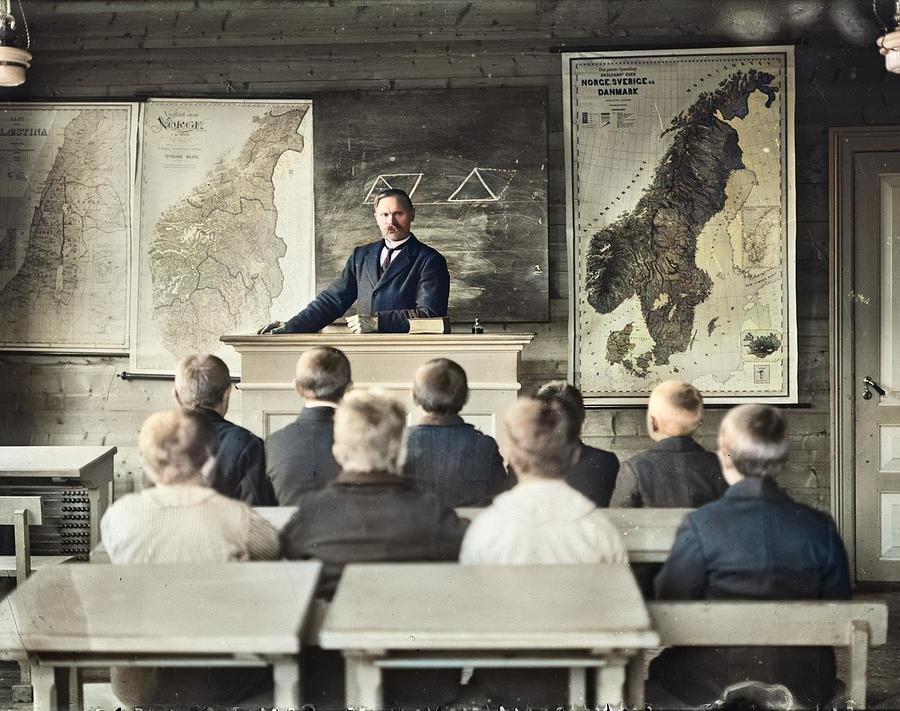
column 75, row 679
column 577, row 687
column 362, row 682
column 286, row 675
column 610, row 682
column 43, row 681
column 21, row 692
column 634, row 689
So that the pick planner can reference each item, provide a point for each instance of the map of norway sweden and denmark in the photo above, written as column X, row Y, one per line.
column 681, row 222
column 226, row 223
column 65, row 225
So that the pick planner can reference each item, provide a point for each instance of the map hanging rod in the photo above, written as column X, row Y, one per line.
column 706, row 406
column 128, row 375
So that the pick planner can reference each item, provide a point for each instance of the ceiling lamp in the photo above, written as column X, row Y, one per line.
column 14, row 59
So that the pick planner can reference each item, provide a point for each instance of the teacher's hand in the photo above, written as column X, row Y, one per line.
column 889, row 42
column 274, row 327
column 363, row 324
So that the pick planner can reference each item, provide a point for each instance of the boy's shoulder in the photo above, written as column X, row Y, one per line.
column 685, row 446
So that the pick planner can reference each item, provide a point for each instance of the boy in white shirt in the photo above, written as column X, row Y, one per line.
column 542, row 520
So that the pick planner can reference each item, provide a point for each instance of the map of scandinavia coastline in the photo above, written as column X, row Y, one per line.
column 214, row 253
column 650, row 252
column 61, row 291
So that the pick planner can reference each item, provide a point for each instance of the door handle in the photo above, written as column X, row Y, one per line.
column 869, row 383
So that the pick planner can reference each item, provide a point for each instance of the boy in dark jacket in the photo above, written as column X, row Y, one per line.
column 370, row 513
column 755, row 543
column 676, row 472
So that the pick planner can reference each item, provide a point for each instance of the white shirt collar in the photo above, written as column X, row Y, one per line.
column 393, row 245
column 320, row 403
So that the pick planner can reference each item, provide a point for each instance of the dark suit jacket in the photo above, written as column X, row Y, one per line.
column 594, row 474
column 240, row 463
column 674, row 473
column 299, row 458
column 416, row 284
column 365, row 518
column 755, row 543
column 450, row 457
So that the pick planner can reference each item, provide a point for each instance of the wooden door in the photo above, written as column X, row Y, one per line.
column 876, row 316
column 864, row 255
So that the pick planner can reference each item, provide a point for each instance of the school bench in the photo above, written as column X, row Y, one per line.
column 21, row 512
column 854, row 625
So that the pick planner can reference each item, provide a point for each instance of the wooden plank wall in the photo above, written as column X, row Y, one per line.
column 231, row 48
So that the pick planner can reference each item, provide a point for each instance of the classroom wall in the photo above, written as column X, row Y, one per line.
column 231, row 49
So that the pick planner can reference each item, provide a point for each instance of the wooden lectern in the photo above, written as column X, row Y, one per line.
column 383, row 360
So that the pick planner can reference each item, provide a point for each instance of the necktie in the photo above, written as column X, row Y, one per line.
column 387, row 260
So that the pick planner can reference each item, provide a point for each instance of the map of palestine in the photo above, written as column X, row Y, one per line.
column 66, row 232
column 689, row 281
column 216, row 252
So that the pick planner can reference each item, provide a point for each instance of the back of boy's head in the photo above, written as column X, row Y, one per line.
column 675, row 410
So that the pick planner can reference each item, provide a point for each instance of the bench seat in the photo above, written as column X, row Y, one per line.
column 815, row 623
column 8, row 563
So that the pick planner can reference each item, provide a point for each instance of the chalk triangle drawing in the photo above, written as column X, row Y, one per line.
column 404, row 181
column 498, row 178
column 483, row 185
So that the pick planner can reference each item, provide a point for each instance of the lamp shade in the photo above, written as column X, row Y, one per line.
column 13, row 63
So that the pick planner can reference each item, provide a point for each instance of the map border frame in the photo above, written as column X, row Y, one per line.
column 639, row 398
column 131, row 148
column 138, row 237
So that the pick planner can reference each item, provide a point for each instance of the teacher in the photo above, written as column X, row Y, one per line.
column 392, row 280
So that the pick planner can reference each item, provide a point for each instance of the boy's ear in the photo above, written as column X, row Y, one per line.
column 654, row 425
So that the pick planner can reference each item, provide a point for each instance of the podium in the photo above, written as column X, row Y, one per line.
column 378, row 360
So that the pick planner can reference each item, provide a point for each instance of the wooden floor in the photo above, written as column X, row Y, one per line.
column 884, row 664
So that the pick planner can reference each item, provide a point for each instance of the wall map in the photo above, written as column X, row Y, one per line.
column 681, row 226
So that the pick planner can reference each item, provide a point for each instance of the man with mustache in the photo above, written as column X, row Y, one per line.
column 391, row 281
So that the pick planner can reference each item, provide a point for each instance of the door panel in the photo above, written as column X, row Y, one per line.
column 876, row 354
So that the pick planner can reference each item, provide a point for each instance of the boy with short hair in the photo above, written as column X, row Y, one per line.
column 542, row 520
column 676, row 472
column 755, row 543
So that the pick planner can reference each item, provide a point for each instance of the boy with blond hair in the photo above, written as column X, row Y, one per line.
column 542, row 520
column 676, row 472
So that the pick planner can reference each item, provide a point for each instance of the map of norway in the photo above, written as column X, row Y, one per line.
column 214, row 253
column 699, row 258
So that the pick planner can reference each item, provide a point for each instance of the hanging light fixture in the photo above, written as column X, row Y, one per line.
column 891, row 56
column 14, row 59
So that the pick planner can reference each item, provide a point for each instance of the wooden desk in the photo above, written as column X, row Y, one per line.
column 92, row 467
column 229, row 614
column 648, row 533
column 384, row 360
column 445, row 614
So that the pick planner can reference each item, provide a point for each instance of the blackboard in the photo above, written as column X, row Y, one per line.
column 475, row 164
